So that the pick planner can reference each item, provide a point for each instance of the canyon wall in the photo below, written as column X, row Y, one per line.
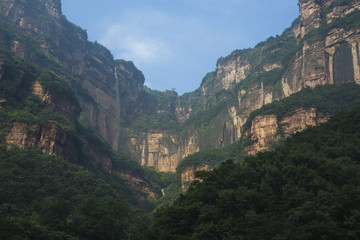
column 108, row 90
column 266, row 130
column 162, row 150
column 188, row 175
column 317, row 49
column 320, row 52
column 328, row 53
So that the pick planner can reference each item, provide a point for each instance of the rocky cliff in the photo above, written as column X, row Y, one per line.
column 108, row 90
column 162, row 150
column 267, row 129
column 188, row 175
column 321, row 47
column 41, row 104
column 49, row 138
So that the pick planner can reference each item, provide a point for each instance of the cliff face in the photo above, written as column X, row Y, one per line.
column 162, row 150
column 332, row 56
column 267, row 129
column 188, row 175
column 263, row 132
column 318, row 49
column 107, row 89
column 49, row 138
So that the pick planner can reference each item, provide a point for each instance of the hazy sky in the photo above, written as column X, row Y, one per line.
column 176, row 42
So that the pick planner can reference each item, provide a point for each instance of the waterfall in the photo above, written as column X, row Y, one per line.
column 117, row 97
column 117, row 105
column 163, row 191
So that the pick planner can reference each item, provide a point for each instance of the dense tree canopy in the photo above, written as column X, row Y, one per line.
column 43, row 197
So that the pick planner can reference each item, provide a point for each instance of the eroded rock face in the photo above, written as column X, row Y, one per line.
column 162, row 150
column 52, row 7
column 309, row 15
column 143, row 189
column 333, row 60
column 263, row 133
column 266, row 130
column 108, row 90
column 188, row 175
column 57, row 102
column 48, row 137
column 300, row 120
column 254, row 98
column 269, row 67
column 232, row 72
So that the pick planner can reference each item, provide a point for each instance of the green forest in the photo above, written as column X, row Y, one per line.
column 43, row 197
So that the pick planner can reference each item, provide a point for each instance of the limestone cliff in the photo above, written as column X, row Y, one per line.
column 162, row 150
column 107, row 89
column 321, row 47
column 49, row 138
column 331, row 55
column 317, row 49
column 266, row 130
column 188, row 175
column 263, row 133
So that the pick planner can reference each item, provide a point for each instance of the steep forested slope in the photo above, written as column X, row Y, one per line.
column 318, row 103
column 306, row 189
column 44, row 197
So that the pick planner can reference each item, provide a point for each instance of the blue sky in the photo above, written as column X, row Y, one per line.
column 176, row 42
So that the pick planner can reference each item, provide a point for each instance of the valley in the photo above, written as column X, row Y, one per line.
column 89, row 152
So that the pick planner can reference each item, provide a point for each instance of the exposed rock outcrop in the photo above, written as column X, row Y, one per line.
column 300, row 120
column 328, row 57
column 332, row 60
column 232, row 72
column 49, row 138
column 143, row 189
column 110, row 91
column 188, row 175
column 266, row 130
column 162, row 150
column 263, row 133
column 107, row 89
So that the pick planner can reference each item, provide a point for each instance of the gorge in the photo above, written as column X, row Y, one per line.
column 70, row 99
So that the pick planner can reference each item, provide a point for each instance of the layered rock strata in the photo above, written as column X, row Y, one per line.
column 266, row 130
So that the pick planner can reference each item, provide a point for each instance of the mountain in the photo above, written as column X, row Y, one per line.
column 268, row 127
column 57, row 87
column 160, row 129
column 321, row 47
column 67, row 107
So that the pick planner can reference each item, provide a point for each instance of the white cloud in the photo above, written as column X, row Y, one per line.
column 132, row 37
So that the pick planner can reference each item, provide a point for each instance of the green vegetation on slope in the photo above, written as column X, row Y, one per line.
column 23, row 107
column 327, row 99
column 43, row 197
column 309, row 188
column 350, row 21
column 158, row 112
column 213, row 157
